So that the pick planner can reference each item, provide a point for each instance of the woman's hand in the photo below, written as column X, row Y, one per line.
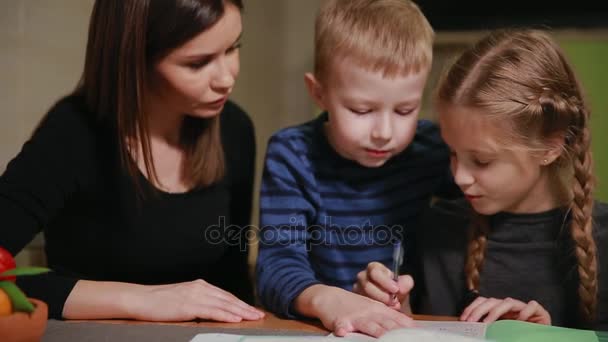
column 344, row 312
column 191, row 300
column 508, row 308
column 174, row 302
column 376, row 282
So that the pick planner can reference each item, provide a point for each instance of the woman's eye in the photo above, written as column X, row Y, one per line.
column 234, row 47
column 199, row 64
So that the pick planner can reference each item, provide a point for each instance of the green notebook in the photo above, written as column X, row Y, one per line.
column 517, row 331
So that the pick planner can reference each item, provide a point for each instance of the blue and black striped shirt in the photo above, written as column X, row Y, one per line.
column 323, row 218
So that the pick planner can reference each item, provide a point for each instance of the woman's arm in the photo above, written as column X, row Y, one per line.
column 34, row 188
column 174, row 302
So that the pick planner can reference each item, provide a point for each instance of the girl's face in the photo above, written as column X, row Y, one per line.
column 493, row 177
column 197, row 77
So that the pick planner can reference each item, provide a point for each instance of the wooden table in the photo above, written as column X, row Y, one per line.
column 129, row 331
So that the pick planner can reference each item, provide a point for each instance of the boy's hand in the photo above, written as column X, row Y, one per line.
column 376, row 282
column 344, row 312
column 508, row 308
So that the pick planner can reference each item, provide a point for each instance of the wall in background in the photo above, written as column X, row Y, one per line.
column 43, row 47
column 589, row 55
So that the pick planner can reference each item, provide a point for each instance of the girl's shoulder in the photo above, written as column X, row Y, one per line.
column 445, row 220
column 600, row 221
column 600, row 213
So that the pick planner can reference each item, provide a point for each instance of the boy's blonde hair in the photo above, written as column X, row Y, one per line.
column 391, row 36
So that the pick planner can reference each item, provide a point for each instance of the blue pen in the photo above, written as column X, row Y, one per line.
column 397, row 262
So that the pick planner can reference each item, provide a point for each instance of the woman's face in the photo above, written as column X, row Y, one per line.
column 196, row 78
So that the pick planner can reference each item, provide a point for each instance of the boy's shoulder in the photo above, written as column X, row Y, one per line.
column 299, row 137
column 428, row 133
column 427, row 144
column 301, row 131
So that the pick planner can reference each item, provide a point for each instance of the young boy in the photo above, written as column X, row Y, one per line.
column 338, row 190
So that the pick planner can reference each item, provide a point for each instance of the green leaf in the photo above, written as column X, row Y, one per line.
column 18, row 298
column 24, row 271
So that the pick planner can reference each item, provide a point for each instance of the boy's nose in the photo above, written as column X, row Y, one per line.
column 383, row 128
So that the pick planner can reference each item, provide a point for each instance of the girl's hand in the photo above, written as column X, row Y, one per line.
column 508, row 308
column 376, row 282
column 188, row 301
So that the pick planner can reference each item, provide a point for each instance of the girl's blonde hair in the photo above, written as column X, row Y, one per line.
column 522, row 79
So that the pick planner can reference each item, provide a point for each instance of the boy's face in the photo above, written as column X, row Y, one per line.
column 495, row 178
column 371, row 117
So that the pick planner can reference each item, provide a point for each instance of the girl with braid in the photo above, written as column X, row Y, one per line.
column 528, row 241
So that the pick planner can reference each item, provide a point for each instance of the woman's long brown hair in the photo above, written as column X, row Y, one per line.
column 126, row 39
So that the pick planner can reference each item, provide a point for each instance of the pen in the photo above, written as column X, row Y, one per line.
column 397, row 261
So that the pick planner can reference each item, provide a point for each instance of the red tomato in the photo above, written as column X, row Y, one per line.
column 6, row 263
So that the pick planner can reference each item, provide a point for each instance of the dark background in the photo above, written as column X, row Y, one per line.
column 474, row 15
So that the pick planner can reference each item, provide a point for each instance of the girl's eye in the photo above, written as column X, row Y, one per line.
column 481, row 163
column 359, row 111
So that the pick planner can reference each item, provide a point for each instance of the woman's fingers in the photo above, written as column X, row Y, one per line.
column 229, row 301
column 246, row 313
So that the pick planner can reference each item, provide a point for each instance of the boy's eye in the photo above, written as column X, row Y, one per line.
column 404, row 111
column 359, row 111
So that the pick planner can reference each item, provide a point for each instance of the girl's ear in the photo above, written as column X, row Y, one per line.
column 315, row 90
column 556, row 148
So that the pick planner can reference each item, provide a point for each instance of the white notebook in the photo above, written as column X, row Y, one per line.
column 425, row 331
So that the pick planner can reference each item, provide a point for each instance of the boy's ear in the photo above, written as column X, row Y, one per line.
column 315, row 90
column 556, row 148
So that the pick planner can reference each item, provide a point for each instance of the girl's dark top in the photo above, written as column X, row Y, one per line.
column 528, row 257
column 68, row 182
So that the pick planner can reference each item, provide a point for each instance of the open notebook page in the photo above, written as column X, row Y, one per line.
column 425, row 331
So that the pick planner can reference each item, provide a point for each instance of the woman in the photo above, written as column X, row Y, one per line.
column 134, row 177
